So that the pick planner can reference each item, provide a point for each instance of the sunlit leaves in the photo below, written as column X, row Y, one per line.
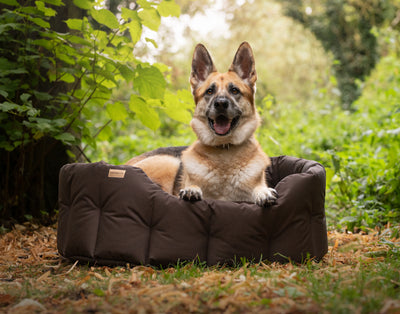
column 67, row 77
column 127, row 14
column 117, row 111
column 93, row 60
column 105, row 17
column 135, row 30
column 177, row 106
column 9, row 2
column 40, row 22
column 150, row 18
column 127, row 72
column 74, row 24
column 47, row 11
column 43, row 43
column 134, row 26
column 169, row 8
column 144, row 4
column 102, row 39
column 149, row 40
column 149, row 82
column 145, row 113
column 84, row 4
column 105, row 134
column 54, row 2
column 329, row 176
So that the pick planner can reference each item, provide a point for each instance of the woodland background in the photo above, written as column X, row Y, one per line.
column 85, row 80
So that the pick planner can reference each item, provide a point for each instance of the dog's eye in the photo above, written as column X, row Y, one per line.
column 210, row 91
column 235, row 91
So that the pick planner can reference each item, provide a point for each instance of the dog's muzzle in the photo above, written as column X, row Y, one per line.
column 223, row 117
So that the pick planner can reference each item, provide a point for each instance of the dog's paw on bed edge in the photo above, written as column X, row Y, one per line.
column 265, row 196
column 192, row 193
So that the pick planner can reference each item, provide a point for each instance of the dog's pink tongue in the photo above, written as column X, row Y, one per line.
column 222, row 125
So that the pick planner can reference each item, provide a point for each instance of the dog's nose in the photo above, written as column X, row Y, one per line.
column 221, row 103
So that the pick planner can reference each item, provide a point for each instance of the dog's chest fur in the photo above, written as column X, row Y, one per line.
column 228, row 173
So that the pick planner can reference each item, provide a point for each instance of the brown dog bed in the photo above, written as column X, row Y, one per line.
column 113, row 215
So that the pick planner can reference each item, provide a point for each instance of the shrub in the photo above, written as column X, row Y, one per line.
column 55, row 78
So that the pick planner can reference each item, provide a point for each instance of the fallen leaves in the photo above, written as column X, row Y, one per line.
column 6, row 299
column 33, row 276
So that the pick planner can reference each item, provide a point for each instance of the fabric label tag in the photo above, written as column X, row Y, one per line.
column 116, row 173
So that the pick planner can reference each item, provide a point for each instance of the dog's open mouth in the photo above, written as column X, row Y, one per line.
column 223, row 125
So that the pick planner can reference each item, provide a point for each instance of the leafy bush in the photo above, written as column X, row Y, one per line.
column 367, row 168
column 53, row 82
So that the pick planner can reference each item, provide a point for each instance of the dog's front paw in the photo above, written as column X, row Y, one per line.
column 264, row 196
column 192, row 193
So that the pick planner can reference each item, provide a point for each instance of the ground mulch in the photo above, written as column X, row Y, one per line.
column 35, row 279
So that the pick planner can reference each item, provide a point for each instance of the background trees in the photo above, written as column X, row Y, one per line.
column 345, row 28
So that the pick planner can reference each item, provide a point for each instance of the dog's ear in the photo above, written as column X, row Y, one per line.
column 202, row 66
column 244, row 65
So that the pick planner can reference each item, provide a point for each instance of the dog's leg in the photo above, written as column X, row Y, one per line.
column 190, row 191
column 263, row 195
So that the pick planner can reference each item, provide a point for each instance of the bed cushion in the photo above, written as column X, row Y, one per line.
column 114, row 215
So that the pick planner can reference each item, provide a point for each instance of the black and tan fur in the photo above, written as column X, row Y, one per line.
column 226, row 162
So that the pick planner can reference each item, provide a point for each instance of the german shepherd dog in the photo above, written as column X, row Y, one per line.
column 225, row 162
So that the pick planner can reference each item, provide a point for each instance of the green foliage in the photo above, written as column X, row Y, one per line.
column 367, row 169
column 91, row 60
column 53, row 84
column 344, row 28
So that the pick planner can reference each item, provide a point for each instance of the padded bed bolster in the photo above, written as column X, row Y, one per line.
column 179, row 230
column 117, row 219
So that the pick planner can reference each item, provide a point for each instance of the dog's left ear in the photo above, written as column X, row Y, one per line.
column 244, row 65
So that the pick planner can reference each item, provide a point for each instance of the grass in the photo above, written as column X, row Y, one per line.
column 361, row 273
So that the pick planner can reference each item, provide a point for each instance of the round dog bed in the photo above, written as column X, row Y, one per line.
column 113, row 215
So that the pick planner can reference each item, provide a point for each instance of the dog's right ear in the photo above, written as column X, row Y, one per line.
column 202, row 66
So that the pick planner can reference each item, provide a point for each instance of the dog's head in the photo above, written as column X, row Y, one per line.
column 225, row 111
